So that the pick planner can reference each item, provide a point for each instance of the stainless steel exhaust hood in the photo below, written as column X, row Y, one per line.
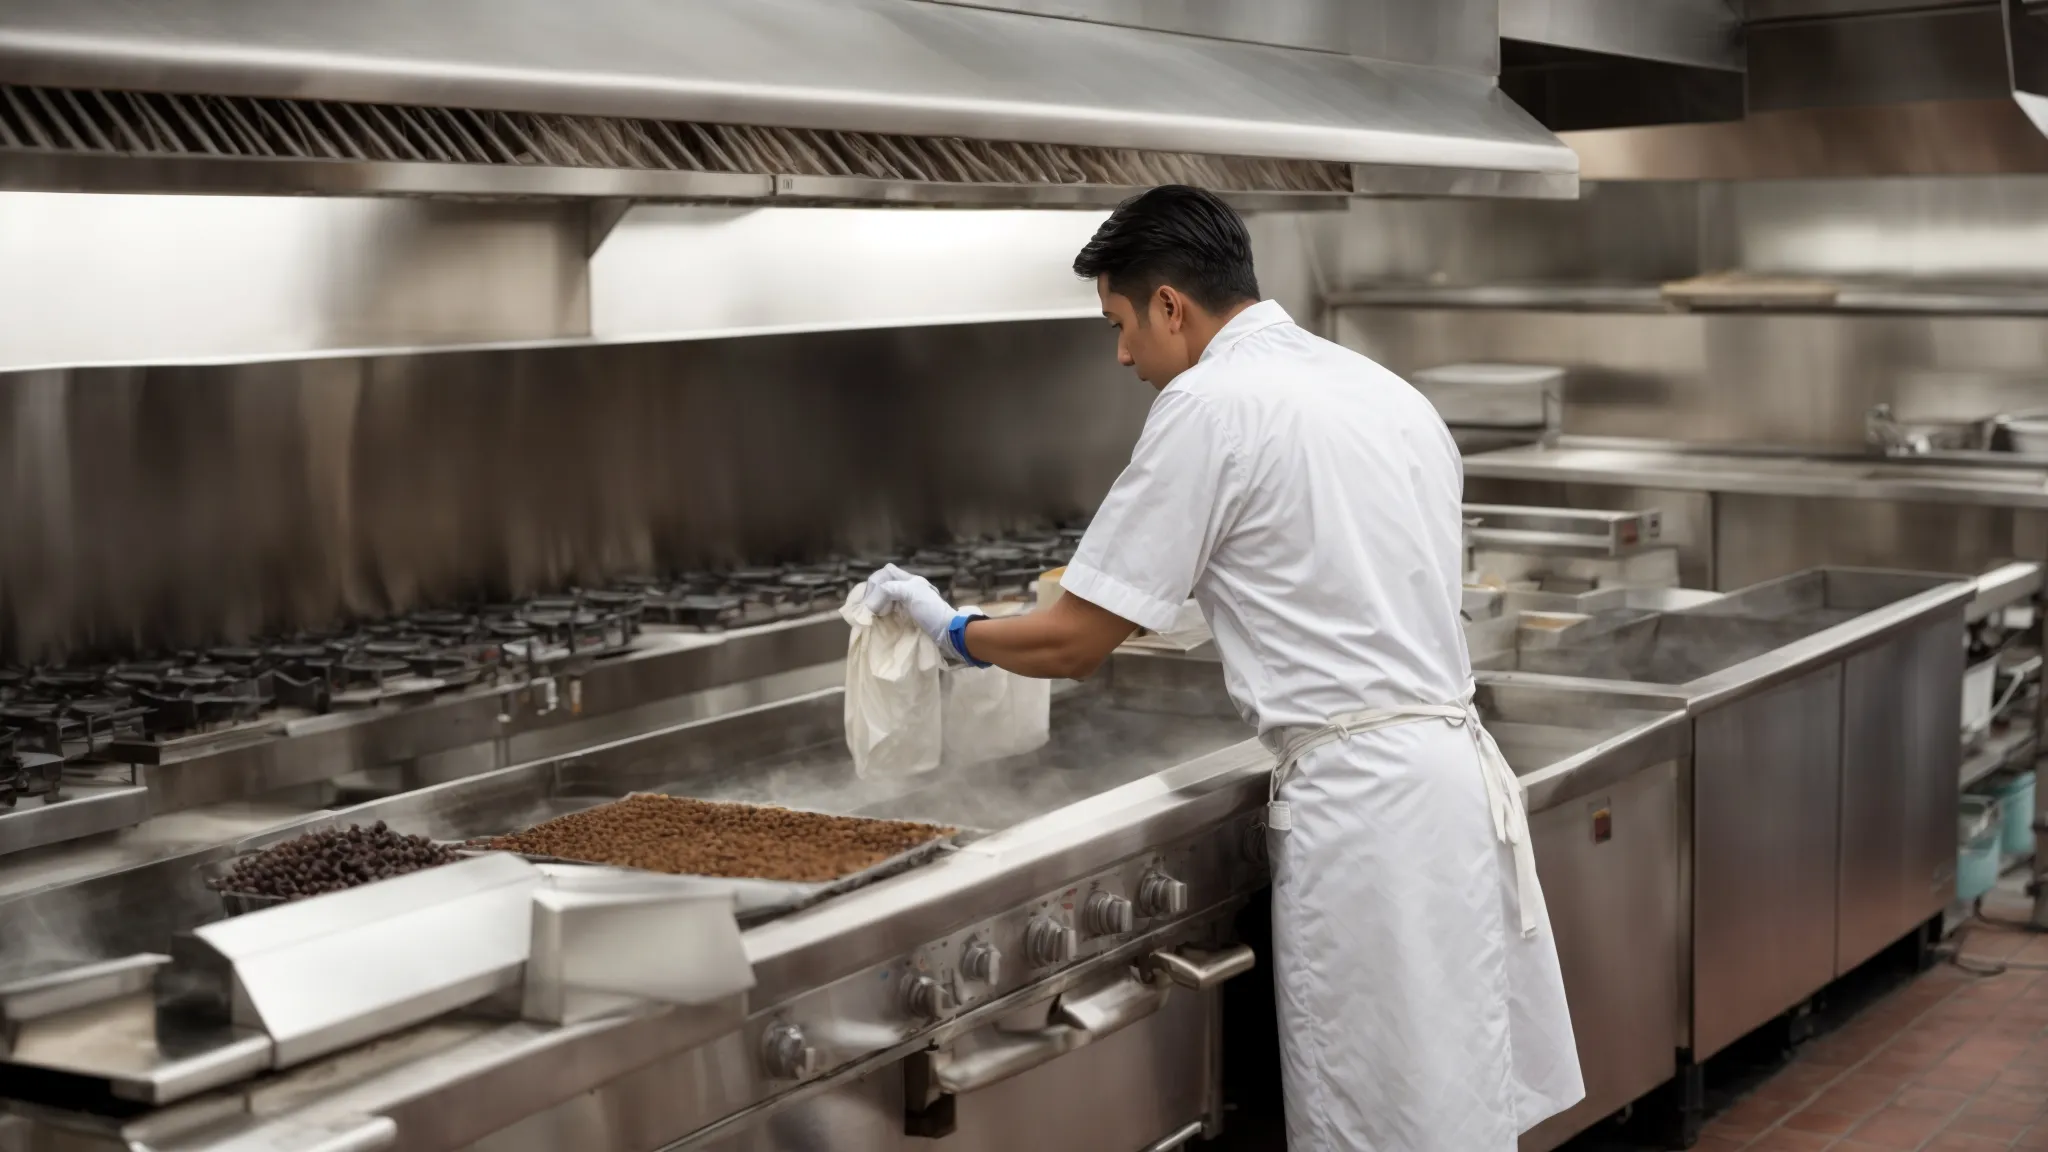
column 2026, row 44
column 784, row 100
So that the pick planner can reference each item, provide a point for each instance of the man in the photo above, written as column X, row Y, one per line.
column 1308, row 499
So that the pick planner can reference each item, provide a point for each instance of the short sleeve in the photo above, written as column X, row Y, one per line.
column 1154, row 533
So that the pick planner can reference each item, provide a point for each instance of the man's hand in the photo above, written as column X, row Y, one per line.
column 891, row 588
column 1066, row 641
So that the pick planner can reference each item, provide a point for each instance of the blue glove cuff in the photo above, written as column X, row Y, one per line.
column 957, row 633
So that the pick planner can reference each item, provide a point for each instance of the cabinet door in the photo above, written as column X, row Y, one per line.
column 1901, row 715
column 1609, row 866
column 1766, row 793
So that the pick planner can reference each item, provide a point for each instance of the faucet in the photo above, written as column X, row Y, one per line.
column 1883, row 432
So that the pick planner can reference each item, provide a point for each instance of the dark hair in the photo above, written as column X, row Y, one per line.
column 1173, row 235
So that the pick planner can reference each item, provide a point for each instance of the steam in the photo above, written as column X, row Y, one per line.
column 45, row 935
column 1671, row 647
column 1093, row 748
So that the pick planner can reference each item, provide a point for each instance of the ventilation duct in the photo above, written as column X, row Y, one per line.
column 1581, row 64
column 1851, row 89
column 2026, row 39
column 784, row 100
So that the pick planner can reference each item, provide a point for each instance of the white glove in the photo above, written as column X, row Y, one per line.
column 893, row 589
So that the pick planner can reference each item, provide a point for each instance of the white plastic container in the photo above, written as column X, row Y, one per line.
column 1493, row 395
column 2029, row 434
column 1978, row 684
column 1048, row 588
column 989, row 714
column 1979, row 833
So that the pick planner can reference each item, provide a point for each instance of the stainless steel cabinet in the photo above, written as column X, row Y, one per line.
column 1766, row 785
column 1900, row 760
column 1609, row 866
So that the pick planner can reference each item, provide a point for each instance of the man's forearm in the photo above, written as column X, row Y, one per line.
column 1066, row 641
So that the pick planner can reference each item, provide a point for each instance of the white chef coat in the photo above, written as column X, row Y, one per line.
column 1308, row 499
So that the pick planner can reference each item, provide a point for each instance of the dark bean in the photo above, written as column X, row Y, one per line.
column 331, row 860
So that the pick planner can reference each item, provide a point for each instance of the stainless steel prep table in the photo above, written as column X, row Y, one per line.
column 1819, row 807
column 1149, row 777
column 1753, row 511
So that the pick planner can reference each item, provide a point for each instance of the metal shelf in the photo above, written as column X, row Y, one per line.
column 2004, row 587
column 2015, row 747
column 1564, row 531
column 1873, row 296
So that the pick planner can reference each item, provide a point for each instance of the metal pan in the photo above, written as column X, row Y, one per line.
column 755, row 900
column 760, row 899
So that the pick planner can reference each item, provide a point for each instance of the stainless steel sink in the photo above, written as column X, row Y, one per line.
column 1669, row 648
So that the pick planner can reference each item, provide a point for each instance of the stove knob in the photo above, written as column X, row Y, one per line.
column 785, row 1053
column 1106, row 914
column 925, row 998
column 1161, row 895
column 1047, row 942
column 981, row 962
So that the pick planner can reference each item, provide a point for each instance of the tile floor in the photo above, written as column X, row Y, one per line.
column 1953, row 1060
column 1950, row 1060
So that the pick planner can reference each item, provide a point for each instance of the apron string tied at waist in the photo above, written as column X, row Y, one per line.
column 1504, row 796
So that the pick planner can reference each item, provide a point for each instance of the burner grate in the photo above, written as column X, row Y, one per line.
column 27, row 774
column 79, row 711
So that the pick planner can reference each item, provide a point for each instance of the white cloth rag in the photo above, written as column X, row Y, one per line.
column 892, row 693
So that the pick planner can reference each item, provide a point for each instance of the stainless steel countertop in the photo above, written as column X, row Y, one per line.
column 416, row 1085
column 1668, row 464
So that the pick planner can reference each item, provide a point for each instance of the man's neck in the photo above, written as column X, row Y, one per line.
column 1207, row 324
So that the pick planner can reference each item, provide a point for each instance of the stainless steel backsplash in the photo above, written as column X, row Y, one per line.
column 1943, row 228
column 146, row 508
column 1802, row 380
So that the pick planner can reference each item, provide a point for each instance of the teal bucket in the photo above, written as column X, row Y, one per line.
column 1979, row 835
column 2016, row 800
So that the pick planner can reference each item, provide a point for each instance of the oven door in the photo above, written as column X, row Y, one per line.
column 1129, row 1062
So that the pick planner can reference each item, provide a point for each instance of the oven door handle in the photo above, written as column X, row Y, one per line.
column 1079, row 1021
column 1199, row 971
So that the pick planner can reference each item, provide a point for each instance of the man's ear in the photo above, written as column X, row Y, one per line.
column 1172, row 308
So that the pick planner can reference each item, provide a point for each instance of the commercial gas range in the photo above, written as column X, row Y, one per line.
column 460, row 689
column 1049, row 981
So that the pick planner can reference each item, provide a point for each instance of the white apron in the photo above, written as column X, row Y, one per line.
column 1420, row 1002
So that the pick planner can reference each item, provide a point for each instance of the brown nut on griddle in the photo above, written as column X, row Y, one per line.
column 705, row 838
